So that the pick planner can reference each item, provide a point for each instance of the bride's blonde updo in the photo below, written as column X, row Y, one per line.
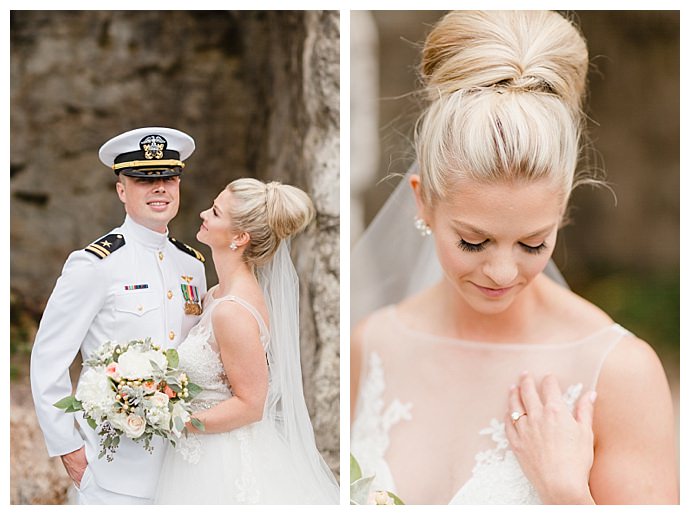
column 505, row 91
column 269, row 213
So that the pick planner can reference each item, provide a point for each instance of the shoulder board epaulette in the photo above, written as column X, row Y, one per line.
column 106, row 245
column 189, row 250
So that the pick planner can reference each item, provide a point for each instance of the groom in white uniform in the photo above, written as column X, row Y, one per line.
column 135, row 282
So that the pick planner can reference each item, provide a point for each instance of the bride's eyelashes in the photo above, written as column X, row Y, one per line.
column 534, row 250
column 477, row 247
column 471, row 247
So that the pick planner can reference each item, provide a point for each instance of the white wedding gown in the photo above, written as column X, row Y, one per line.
column 249, row 465
column 430, row 410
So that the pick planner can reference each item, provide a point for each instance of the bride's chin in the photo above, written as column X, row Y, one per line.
column 488, row 306
column 494, row 308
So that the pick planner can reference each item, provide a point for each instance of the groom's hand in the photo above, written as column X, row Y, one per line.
column 75, row 464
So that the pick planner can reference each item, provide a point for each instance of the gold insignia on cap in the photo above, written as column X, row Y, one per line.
column 153, row 146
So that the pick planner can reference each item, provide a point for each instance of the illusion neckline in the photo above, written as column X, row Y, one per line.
column 393, row 314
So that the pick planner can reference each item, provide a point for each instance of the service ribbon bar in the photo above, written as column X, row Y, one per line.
column 194, row 294
column 185, row 292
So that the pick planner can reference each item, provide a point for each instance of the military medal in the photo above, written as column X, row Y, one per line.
column 192, row 303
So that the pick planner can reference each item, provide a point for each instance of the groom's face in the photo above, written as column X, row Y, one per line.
column 150, row 202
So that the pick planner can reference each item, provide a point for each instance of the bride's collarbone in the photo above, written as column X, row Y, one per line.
column 558, row 315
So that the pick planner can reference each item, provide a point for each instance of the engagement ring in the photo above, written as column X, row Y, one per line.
column 515, row 415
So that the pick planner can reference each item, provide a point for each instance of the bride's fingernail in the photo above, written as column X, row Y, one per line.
column 512, row 387
column 524, row 373
column 592, row 396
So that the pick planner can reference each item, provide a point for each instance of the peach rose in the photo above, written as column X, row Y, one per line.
column 169, row 392
column 112, row 371
column 150, row 386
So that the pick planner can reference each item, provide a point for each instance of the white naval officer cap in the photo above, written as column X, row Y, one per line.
column 148, row 152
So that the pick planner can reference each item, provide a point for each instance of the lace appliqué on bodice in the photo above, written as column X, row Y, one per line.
column 370, row 430
column 497, row 477
column 204, row 367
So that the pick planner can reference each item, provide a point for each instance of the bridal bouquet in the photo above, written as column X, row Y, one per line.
column 361, row 488
column 136, row 390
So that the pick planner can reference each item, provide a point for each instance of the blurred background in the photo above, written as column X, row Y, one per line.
column 259, row 93
column 622, row 256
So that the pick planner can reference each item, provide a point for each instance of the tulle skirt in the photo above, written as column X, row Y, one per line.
column 249, row 465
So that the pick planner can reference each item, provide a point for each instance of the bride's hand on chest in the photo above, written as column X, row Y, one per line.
column 555, row 448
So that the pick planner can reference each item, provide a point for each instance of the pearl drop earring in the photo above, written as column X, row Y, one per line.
column 422, row 226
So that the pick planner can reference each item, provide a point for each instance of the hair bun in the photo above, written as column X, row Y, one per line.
column 533, row 51
column 289, row 209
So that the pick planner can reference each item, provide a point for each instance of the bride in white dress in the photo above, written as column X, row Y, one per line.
column 258, row 444
column 474, row 379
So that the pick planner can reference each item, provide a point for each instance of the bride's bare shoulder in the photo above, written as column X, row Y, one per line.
column 408, row 310
column 357, row 334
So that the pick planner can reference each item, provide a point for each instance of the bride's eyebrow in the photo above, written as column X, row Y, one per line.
column 471, row 228
column 541, row 232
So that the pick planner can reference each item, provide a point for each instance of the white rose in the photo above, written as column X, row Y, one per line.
column 118, row 420
column 158, row 413
column 135, row 364
column 95, row 392
column 159, row 400
column 134, row 426
column 159, row 418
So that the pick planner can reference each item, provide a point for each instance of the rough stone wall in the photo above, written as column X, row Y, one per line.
column 34, row 478
column 297, row 128
column 258, row 91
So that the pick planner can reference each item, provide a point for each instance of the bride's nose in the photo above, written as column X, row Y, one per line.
column 501, row 269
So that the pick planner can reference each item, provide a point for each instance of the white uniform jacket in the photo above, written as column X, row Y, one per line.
column 132, row 292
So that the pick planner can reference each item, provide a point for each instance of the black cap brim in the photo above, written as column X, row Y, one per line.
column 143, row 173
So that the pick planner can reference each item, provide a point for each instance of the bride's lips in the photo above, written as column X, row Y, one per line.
column 493, row 292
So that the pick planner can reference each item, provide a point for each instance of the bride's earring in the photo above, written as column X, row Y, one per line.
column 422, row 226
column 233, row 246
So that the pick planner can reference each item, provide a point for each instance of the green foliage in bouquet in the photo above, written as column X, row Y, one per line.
column 360, row 488
column 136, row 390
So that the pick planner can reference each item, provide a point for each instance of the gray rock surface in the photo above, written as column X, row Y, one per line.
column 34, row 478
